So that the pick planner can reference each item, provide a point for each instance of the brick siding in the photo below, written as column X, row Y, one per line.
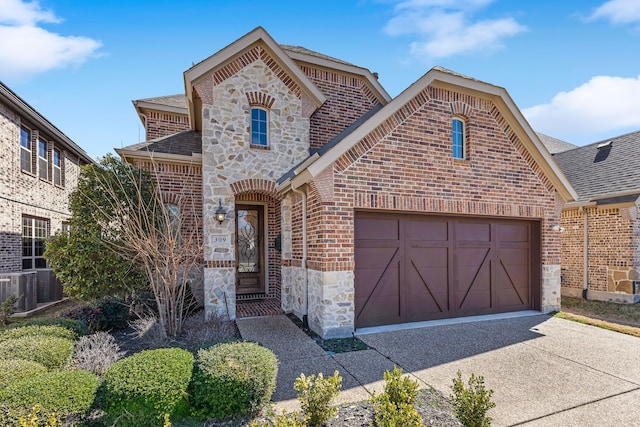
column 159, row 124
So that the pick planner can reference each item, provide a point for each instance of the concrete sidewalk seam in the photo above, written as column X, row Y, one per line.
column 622, row 393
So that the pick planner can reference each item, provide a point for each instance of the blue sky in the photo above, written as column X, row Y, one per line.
column 573, row 67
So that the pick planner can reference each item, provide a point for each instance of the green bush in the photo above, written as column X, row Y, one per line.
column 105, row 314
column 37, row 330
column 233, row 378
column 471, row 403
column 77, row 326
column 395, row 406
column 12, row 370
column 142, row 388
column 65, row 393
column 52, row 352
column 7, row 308
column 316, row 394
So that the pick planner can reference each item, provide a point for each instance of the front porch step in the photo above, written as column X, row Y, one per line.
column 258, row 308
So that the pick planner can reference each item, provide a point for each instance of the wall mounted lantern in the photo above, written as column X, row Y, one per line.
column 220, row 213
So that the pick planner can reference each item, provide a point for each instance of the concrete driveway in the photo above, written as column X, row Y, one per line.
column 545, row 371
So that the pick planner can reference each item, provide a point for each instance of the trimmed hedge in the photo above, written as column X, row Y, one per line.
column 67, row 393
column 12, row 370
column 77, row 326
column 52, row 352
column 233, row 378
column 38, row 330
column 140, row 389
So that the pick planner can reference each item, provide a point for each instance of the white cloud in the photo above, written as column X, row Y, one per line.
column 27, row 49
column 447, row 27
column 604, row 104
column 618, row 11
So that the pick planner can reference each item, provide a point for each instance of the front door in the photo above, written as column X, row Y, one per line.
column 250, row 249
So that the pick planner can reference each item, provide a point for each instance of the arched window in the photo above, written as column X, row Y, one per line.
column 259, row 127
column 458, row 138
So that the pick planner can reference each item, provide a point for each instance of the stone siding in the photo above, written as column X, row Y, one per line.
column 331, row 303
column 26, row 194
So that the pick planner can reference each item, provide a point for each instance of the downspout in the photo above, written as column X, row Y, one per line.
column 585, row 253
column 305, row 314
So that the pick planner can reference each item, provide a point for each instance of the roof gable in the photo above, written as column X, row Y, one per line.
column 221, row 61
column 514, row 124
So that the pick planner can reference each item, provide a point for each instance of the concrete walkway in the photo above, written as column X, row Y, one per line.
column 545, row 371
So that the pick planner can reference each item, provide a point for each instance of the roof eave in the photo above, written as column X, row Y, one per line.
column 195, row 158
column 27, row 110
column 374, row 84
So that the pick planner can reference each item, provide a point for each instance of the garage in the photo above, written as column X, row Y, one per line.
column 411, row 268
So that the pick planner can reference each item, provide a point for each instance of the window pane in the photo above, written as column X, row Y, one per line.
column 24, row 138
column 42, row 149
column 25, row 160
column 457, row 130
column 56, row 158
column 258, row 127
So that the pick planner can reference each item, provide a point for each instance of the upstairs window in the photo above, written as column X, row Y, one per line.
column 43, row 160
column 57, row 169
column 458, row 138
column 259, row 127
column 25, row 149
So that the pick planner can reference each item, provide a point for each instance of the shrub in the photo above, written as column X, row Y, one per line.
column 96, row 352
column 77, row 326
column 101, row 315
column 201, row 331
column 35, row 419
column 284, row 420
column 394, row 407
column 316, row 394
column 471, row 403
column 38, row 331
column 233, row 378
column 7, row 308
column 52, row 352
column 12, row 370
column 142, row 388
column 150, row 332
column 65, row 393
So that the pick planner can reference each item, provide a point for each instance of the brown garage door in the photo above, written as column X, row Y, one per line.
column 414, row 267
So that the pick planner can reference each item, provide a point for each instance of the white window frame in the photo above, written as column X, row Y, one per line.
column 34, row 234
column 25, row 150
column 459, row 138
column 258, row 132
column 57, row 168
column 43, row 161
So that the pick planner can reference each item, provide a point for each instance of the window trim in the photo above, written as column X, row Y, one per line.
column 57, row 168
column 26, row 150
column 258, row 133
column 43, row 159
column 35, row 224
column 459, row 138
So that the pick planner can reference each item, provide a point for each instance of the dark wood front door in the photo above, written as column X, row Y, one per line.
column 411, row 268
column 250, row 249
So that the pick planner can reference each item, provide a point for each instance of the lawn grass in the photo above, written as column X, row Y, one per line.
column 53, row 311
column 623, row 318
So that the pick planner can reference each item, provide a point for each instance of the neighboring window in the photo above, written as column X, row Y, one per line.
column 57, row 170
column 173, row 213
column 66, row 227
column 259, row 127
column 43, row 162
column 25, row 149
column 458, row 137
column 34, row 234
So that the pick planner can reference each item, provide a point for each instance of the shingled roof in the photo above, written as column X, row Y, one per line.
column 183, row 143
column 555, row 145
column 610, row 173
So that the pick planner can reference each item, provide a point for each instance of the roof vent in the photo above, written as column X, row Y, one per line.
column 604, row 145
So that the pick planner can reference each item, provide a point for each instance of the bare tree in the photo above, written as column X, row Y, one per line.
column 159, row 233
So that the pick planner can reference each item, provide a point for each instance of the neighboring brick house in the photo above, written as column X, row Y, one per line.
column 39, row 168
column 601, row 238
column 352, row 209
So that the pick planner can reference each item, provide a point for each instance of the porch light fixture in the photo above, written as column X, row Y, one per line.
column 220, row 213
column 557, row 227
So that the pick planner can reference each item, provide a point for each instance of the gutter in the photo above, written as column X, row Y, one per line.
column 585, row 254
column 305, row 314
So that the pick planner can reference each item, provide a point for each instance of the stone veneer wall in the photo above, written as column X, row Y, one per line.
column 406, row 165
column 23, row 193
column 613, row 251
column 229, row 158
